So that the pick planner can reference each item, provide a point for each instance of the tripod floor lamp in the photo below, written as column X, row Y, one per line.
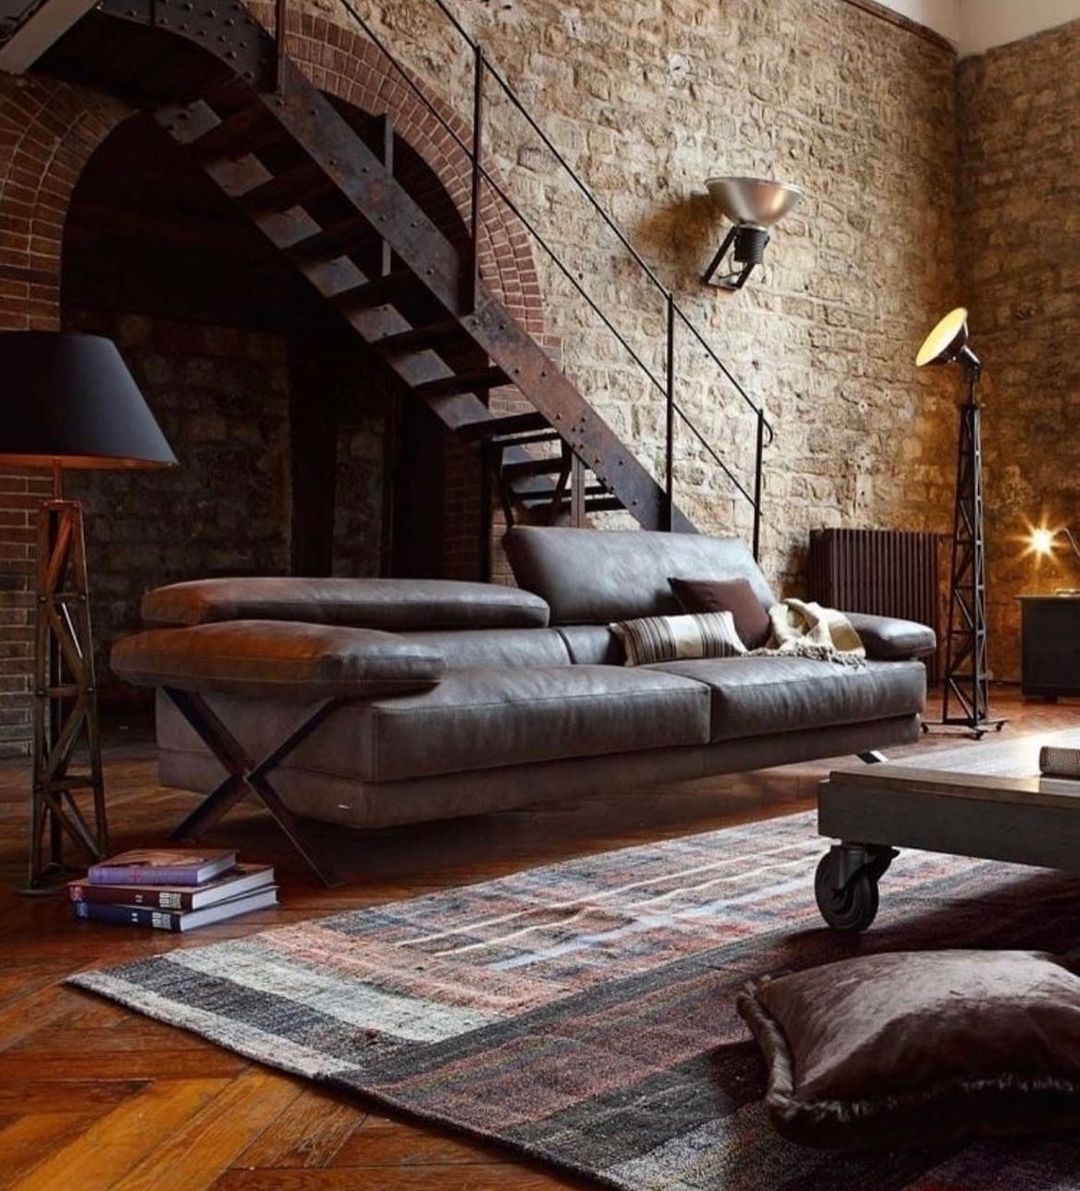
column 966, row 668
column 70, row 403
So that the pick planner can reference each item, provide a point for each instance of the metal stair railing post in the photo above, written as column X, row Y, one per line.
column 669, row 448
column 281, row 29
column 472, row 279
column 757, row 484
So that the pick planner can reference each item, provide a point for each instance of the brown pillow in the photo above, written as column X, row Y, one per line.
column 919, row 1048
column 727, row 595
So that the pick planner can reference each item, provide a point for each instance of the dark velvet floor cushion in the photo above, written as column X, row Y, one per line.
column 917, row 1048
column 727, row 595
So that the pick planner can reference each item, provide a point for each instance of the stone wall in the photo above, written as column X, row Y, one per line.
column 1021, row 221
column 646, row 99
column 221, row 398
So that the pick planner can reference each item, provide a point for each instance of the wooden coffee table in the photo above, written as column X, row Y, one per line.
column 985, row 800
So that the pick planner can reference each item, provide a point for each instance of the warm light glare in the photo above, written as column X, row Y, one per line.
column 1042, row 541
column 942, row 336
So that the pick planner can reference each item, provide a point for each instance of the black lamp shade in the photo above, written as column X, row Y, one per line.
column 70, row 399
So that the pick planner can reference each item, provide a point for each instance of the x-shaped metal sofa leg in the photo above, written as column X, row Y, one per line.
column 245, row 774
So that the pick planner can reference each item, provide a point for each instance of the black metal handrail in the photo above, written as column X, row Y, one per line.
column 482, row 68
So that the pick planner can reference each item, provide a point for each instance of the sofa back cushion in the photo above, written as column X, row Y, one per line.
column 485, row 649
column 392, row 604
column 593, row 576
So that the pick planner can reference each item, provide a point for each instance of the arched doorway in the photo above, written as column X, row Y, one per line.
column 299, row 451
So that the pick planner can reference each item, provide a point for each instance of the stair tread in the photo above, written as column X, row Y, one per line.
column 333, row 241
column 245, row 131
column 288, row 189
column 507, row 426
column 535, row 467
column 376, row 291
column 463, row 382
column 420, row 338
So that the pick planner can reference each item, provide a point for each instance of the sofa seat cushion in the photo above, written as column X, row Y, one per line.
column 477, row 719
column 363, row 603
column 269, row 658
column 480, row 719
column 752, row 696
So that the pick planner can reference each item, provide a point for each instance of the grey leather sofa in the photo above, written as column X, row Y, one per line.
column 440, row 699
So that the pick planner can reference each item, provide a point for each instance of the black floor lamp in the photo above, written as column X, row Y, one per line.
column 70, row 403
column 966, row 666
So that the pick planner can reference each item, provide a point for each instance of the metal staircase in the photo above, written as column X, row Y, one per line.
column 224, row 89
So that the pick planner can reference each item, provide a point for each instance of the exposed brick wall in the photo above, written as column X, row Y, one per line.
column 48, row 131
column 19, row 497
column 1021, row 218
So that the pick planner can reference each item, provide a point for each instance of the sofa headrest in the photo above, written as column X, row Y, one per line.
column 394, row 604
column 593, row 576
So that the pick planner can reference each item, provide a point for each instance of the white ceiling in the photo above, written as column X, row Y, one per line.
column 974, row 26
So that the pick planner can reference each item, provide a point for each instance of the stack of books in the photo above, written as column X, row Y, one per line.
column 175, row 889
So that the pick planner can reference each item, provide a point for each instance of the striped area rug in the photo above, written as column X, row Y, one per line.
column 583, row 1013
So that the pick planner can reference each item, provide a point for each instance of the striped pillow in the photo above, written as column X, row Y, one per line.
column 669, row 638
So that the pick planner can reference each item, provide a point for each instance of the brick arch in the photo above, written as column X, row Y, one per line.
column 48, row 130
column 357, row 72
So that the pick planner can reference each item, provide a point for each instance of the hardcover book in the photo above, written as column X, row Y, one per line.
column 245, row 878
column 162, row 866
column 178, row 921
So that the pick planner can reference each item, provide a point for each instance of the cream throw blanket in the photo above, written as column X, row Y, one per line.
column 808, row 630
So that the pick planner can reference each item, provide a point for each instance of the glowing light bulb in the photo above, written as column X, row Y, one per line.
column 1042, row 541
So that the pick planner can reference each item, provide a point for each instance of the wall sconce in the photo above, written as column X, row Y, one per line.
column 753, row 205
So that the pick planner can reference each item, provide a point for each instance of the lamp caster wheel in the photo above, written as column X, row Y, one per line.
column 850, row 909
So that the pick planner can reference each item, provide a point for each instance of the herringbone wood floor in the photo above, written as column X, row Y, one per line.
column 93, row 1097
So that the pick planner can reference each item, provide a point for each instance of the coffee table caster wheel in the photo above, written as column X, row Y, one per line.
column 852, row 908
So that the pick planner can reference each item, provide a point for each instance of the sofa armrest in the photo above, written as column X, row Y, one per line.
column 278, row 659
column 890, row 639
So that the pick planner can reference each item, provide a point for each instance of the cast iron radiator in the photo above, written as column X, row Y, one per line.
column 886, row 572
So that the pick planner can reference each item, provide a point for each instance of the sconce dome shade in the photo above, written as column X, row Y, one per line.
column 946, row 341
column 70, row 399
column 753, row 200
